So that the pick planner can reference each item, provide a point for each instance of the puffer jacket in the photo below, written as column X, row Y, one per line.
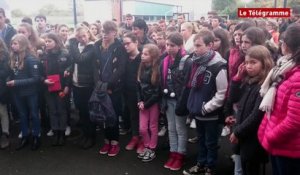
column 86, row 62
column 280, row 135
column 26, row 79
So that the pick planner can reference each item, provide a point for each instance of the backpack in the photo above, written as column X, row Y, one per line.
column 100, row 107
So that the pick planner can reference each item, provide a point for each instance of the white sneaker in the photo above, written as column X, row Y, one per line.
column 68, row 131
column 193, row 124
column 225, row 131
column 50, row 133
column 20, row 135
column 142, row 154
column 162, row 131
column 149, row 156
column 188, row 121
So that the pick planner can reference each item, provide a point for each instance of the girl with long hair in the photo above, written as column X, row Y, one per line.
column 244, row 90
column 55, row 60
column 23, row 80
column 148, row 97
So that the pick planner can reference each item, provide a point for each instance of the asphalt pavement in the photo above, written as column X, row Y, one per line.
column 71, row 160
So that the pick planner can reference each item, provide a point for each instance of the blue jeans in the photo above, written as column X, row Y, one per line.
column 285, row 166
column 177, row 129
column 27, row 107
column 208, row 134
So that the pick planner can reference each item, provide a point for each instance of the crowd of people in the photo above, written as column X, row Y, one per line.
column 244, row 75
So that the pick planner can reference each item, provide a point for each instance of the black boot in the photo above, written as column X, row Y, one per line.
column 90, row 142
column 24, row 142
column 55, row 138
column 61, row 139
column 35, row 143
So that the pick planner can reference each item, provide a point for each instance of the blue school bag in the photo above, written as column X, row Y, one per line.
column 100, row 106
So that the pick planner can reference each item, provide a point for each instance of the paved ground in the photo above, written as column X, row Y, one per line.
column 70, row 160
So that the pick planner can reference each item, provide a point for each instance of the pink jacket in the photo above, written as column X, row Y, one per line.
column 280, row 135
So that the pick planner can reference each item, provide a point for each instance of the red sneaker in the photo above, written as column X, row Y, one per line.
column 178, row 162
column 105, row 149
column 133, row 143
column 140, row 147
column 170, row 161
column 114, row 150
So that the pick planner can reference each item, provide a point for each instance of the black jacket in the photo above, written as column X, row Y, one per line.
column 86, row 63
column 56, row 62
column 177, row 76
column 4, row 73
column 118, row 62
column 26, row 79
column 147, row 92
column 130, row 76
column 8, row 34
column 248, row 119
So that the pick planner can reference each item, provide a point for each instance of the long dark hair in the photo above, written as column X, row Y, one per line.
column 291, row 38
column 223, row 36
column 58, row 42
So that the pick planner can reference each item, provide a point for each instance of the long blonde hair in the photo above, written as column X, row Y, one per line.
column 24, row 49
column 154, row 53
column 85, row 29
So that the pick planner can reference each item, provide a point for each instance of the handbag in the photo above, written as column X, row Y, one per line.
column 57, row 85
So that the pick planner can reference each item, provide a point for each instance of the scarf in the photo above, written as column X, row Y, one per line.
column 269, row 87
column 200, row 64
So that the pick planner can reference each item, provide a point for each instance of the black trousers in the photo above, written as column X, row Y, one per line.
column 112, row 133
column 81, row 99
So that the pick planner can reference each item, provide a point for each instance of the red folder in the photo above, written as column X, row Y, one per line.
column 57, row 85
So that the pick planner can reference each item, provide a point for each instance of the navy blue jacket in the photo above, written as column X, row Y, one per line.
column 118, row 62
column 9, row 32
column 26, row 79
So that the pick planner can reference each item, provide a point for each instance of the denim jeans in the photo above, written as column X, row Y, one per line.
column 177, row 129
column 27, row 107
column 237, row 165
column 285, row 166
column 208, row 134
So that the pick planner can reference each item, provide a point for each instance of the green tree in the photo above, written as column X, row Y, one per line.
column 49, row 9
column 17, row 13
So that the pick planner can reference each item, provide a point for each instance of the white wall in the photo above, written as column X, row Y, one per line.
column 97, row 10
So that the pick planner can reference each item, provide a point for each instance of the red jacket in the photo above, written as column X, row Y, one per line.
column 280, row 135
